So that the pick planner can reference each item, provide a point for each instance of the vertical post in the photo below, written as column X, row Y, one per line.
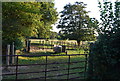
column 75, row 45
column 16, row 68
column 26, row 43
column 8, row 57
column 72, row 45
column 47, row 44
column 68, row 67
column 91, row 63
column 66, row 52
column 39, row 44
column 85, row 65
column 51, row 44
column 46, row 69
column 68, row 45
column 29, row 46
column 43, row 44
column 13, row 53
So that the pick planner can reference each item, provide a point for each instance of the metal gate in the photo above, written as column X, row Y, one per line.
column 49, row 70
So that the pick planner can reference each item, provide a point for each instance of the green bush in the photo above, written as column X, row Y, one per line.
column 104, row 56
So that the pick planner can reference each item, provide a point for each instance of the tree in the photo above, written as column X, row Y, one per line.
column 49, row 17
column 53, row 35
column 75, row 24
column 18, row 22
column 22, row 19
column 105, row 51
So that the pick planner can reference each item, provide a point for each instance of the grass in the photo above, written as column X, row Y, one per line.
column 51, row 59
column 49, row 44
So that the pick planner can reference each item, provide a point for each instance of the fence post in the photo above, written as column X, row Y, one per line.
column 68, row 67
column 75, row 46
column 16, row 68
column 72, row 45
column 8, row 57
column 51, row 45
column 85, row 65
column 13, row 53
column 43, row 44
column 68, row 45
column 91, row 63
column 46, row 69
column 39, row 44
column 28, row 46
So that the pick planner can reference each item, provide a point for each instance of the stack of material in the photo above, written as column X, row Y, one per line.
column 57, row 48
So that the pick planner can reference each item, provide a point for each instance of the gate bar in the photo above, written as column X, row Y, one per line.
column 68, row 67
column 16, row 68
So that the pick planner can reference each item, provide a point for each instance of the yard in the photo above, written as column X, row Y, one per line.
column 57, row 66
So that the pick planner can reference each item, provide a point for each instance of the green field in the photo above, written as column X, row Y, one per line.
column 51, row 59
column 22, row 60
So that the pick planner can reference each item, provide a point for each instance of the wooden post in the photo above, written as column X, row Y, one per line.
column 68, row 44
column 13, row 53
column 51, row 44
column 8, row 57
column 28, row 45
column 39, row 44
column 75, row 45
column 72, row 45
column 91, row 64
column 43, row 44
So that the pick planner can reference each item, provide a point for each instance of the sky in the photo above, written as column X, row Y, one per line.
column 92, row 6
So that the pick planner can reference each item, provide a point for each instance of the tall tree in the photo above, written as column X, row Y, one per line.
column 105, row 52
column 49, row 17
column 21, row 19
column 75, row 23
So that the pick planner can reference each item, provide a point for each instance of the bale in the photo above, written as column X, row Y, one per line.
column 57, row 49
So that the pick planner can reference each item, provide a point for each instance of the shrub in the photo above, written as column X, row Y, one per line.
column 104, row 60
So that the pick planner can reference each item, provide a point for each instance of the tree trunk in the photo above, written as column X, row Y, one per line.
column 78, row 42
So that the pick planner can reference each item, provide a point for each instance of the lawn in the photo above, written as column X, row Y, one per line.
column 58, row 68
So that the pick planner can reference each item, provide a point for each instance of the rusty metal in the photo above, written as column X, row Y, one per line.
column 46, row 71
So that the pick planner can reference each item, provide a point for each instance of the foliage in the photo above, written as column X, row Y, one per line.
column 49, row 17
column 75, row 24
column 22, row 19
column 53, row 35
column 105, row 52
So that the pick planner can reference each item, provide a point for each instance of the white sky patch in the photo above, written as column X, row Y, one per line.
column 92, row 6
column 26, row 0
